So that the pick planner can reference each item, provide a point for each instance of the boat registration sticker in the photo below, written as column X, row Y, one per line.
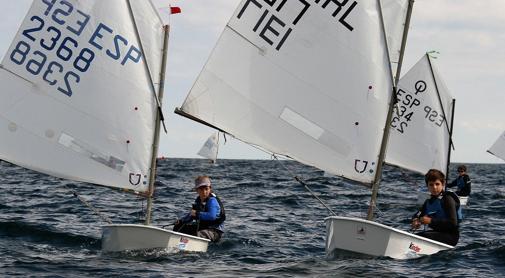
column 182, row 243
column 414, row 247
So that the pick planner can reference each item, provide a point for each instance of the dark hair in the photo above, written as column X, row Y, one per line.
column 462, row 167
column 433, row 175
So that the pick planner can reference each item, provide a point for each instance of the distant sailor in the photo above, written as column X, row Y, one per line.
column 207, row 216
column 462, row 182
column 441, row 212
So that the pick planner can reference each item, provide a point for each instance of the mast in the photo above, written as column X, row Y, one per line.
column 161, row 87
column 385, row 137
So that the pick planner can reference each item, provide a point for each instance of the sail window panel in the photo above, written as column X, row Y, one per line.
column 88, row 151
column 298, row 121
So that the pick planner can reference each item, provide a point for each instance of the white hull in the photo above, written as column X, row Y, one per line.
column 422, row 196
column 371, row 238
column 122, row 237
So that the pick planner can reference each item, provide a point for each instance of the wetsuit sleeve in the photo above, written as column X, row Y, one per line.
column 213, row 211
column 453, row 183
column 450, row 223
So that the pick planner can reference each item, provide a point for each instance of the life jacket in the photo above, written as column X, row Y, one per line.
column 434, row 207
column 204, row 224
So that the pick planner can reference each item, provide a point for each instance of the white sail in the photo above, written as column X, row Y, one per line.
column 77, row 100
column 421, row 124
column 498, row 148
column 308, row 80
column 210, row 148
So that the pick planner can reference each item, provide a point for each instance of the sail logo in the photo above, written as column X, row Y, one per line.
column 360, row 166
column 414, row 247
column 274, row 20
column 135, row 179
column 56, row 45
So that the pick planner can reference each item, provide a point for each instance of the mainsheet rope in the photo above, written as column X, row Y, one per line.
column 95, row 210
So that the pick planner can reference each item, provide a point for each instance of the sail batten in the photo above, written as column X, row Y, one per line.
column 88, row 111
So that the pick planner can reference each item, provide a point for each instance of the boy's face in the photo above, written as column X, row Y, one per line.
column 435, row 187
column 203, row 192
column 461, row 172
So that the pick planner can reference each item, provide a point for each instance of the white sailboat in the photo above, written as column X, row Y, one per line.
column 422, row 123
column 210, row 148
column 82, row 85
column 498, row 147
column 313, row 82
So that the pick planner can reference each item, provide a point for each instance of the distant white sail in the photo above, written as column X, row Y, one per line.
column 210, row 148
column 76, row 98
column 498, row 148
column 421, row 124
column 311, row 81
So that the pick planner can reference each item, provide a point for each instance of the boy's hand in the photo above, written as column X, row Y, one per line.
column 416, row 223
column 425, row 220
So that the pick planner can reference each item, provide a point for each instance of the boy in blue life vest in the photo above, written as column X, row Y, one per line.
column 441, row 212
column 462, row 182
column 207, row 215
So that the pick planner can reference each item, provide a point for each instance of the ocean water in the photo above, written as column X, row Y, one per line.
column 274, row 226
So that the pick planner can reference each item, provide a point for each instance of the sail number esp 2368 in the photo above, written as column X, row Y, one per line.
column 52, row 46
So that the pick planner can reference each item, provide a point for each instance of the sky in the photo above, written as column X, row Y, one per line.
column 469, row 34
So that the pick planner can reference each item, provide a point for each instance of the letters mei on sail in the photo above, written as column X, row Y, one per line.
column 498, row 148
column 309, row 81
column 81, row 87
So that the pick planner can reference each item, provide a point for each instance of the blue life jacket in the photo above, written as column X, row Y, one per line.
column 434, row 207
column 218, row 222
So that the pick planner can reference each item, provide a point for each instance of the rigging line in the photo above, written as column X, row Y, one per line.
column 95, row 210
column 298, row 179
